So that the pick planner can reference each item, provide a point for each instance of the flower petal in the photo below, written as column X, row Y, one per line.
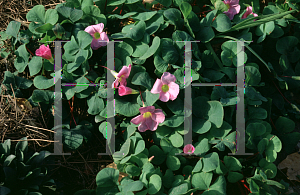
column 234, row 2
column 90, row 30
column 158, row 116
column 124, row 71
column 124, row 90
column 95, row 44
column 188, row 149
column 156, row 87
column 98, row 27
column 150, row 123
column 164, row 97
column 143, row 127
column 146, row 109
column 103, row 38
column 167, row 77
column 137, row 120
column 173, row 90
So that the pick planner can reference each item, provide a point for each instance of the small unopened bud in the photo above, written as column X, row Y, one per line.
column 150, row 158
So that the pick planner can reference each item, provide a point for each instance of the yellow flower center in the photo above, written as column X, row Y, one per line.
column 147, row 114
column 120, row 79
column 227, row 5
column 97, row 35
column 165, row 88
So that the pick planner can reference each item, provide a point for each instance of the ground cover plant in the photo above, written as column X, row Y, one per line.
column 149, row 92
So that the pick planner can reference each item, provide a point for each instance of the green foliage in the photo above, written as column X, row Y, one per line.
column 23, row 173
column 152, row 42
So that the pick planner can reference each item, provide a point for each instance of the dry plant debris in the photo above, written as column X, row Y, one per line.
column 292, row 164
column 19, row 119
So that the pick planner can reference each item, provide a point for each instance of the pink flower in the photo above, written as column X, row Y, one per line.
column 248, row 12
column 99, row 37
column 233, row 8
column 166, row 87
column 126, row 91
column 189, row 149
column 149, row 118
column 44, row 52
column 121, row 76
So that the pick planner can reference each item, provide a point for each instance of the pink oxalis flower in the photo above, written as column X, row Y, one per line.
column 44, row 52
column 99, row 37
column 121, row 76
column 149, row 118
column 189, row 149
column 248, row 12
column 166, row 87
column 233, row 8
column 126, row 91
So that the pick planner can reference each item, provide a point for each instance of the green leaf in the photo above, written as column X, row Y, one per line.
column 255, row 129
column 181, row 189
column 253, row 76
column 154, row 184
column 285, row 44
column 169, row 52
column 234, row 177
column 202, row 147
column 168, row 178
column 166, row 145
column 72, row 139
column 197, row 167
column 219, row 187
column 173, row 121
column 133, row 171
column 51, row 16
column 185, row 8
column 76, row 15
column 144, row 16
column 205, row 34
column 289, row 141
column 176, row 139
column 115, row 2
column 215, row 113
column 36, row 14
column 35, row 65
column 135, row 31
column 95, row 104
column 143, row 78
column 126, row 108
column 148, row 97
column 284, row 62
column 166, row 3
column 222, row 23
column 123, row 152
column 22, row 58
column 107, row 177
column 173, row 15
column 159, row 156
column 213, row 75
column 44, row 96
column 232, row 163
column 152, row 49
column 84, row 39
column 41, row 82
column 220, row 5
column 202, row 180
column 210, row 162
column 140, row 146
column 257, row 113
column 173, row 162
column 13, row 28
